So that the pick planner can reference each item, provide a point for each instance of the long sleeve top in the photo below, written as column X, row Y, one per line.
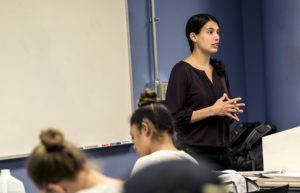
column 189, row 89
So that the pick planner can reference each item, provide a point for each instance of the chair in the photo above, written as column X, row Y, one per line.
column 280, row 189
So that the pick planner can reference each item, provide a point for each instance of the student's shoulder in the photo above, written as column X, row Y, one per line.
column 188, row 156
column 141, row 163
column 152, row 158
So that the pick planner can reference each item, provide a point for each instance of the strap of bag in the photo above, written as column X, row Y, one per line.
column 256, row 134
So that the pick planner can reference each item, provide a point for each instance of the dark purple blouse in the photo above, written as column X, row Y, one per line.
column 189, row 89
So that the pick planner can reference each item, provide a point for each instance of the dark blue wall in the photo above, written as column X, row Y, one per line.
column 260, row 42
column 139, row 24
column 253, row 60
column 282, row 61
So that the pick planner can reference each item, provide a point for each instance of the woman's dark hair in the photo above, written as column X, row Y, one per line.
column 194, row 25
column 158, row 114
column 54, row 159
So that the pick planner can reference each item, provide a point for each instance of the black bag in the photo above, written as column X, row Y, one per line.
column 245, row 151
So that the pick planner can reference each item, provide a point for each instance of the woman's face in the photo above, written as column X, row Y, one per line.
column 207, row 40
column 141, row 139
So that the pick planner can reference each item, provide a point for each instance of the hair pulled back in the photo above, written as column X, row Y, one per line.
column 149, row 108
column 54, row 159
column 194, row 25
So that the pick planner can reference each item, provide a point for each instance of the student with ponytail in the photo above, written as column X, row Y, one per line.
column 151, row 131
column 57, row 166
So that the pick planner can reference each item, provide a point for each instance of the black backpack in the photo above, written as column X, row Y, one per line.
column 245, row 150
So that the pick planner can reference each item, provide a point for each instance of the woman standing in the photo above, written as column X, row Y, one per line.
column 198, row 94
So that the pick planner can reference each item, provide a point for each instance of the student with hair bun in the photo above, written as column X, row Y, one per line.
column 151, row 131
column 57, row 166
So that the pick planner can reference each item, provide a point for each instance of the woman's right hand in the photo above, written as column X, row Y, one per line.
column 225, row 106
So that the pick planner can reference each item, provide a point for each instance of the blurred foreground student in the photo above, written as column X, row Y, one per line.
column 176, row 176
column 57, row 166
column 151, row 131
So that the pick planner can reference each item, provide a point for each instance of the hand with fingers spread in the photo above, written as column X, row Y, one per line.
column 225, row 106
column 237, row 105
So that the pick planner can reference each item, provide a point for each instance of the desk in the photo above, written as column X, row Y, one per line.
column 265, row 183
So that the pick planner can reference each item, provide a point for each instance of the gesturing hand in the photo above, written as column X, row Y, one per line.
column 225, row 106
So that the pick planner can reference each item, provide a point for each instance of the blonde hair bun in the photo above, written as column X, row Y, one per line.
column 147, row 97
column 52, row 139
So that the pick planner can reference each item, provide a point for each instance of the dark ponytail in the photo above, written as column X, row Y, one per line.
column 158, row 114
column 218, row 66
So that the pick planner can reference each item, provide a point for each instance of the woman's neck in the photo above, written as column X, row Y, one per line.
column 89, row 178
column 163, row 143
column 198, row 59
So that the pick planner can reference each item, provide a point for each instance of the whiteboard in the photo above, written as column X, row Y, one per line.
column 63, row 64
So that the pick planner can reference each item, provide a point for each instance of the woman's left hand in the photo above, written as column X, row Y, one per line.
column 236, row 106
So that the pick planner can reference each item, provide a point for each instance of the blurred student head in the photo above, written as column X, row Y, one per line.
column 177, row 176
column 56, row 165
column 151, row 123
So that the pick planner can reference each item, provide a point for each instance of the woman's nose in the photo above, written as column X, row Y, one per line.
column 217, row 36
